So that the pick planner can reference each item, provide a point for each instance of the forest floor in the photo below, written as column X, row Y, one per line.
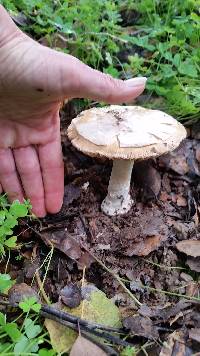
column 147, row 261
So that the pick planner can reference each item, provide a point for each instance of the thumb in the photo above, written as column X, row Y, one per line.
column 81, row 81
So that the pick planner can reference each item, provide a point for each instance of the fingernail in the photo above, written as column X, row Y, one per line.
column 136, row 82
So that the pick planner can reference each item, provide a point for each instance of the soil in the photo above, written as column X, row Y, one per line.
column 141, row 246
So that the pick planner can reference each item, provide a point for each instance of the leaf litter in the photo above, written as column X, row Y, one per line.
column 141, row 247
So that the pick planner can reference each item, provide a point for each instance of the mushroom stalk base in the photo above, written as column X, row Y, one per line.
column 118, row 200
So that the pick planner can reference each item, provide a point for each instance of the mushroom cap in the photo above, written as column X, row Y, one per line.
column 125, row 132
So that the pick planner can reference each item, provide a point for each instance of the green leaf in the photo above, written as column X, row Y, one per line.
column 5, row 282
column 129, row 351
column 112, row 71
column 177, row 60
column 45, row 352
column 4, row 346
column 21, row 346
column 13, row 332
column 188, row 68
column 10, row 221
column 11, row 242
column 30, row 304
column 2, row 216
column 2, row 319
column 18, row 210
column 31, row 329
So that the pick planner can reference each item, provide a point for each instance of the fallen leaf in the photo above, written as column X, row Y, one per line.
column 148, row 231
column 189, row 247
column 96, row 308
column 194, row 334
column 85, row 347
column 164, row 314
column 21, row 291
column 141, row 326
column 181, row 201
column 144, row 247
column 72, row 192
column 71, row 295
column 193, row 263
column 198, row 153
column 67, row 244
column 175, row 346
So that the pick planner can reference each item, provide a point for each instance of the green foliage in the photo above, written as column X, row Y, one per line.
column 26, row 339
column 29, row 304
column 25, row 336
column 164, row 45
column 88, row 26
column 169, row 41
column 9, row 217
column 129, row 351
column 5, row 282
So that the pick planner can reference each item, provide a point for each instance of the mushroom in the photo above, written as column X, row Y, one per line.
column 124, row 134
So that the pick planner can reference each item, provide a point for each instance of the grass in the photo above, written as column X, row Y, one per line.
column 154, row 38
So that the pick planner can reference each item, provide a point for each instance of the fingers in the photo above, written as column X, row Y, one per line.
column 51, row 162
column 42, row 178
column 8, row 176
column 28, row 168
column 79, row 80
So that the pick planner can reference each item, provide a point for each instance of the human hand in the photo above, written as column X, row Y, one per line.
column 34, row 80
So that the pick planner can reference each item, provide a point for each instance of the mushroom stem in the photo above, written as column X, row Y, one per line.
column 118, row 199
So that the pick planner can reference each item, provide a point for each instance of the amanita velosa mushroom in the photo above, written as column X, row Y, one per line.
column 124, row 134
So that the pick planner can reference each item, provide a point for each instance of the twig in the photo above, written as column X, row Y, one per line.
column 112, row 338
column 70, row 318
column 104, row 347
column 73, row 319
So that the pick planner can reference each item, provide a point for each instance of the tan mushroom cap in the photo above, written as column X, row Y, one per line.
column 125, row 132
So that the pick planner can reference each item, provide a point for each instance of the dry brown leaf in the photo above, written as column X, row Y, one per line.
column 85, row 347
column 144, row 247
column 181, row 201
column 141, row 326
column 72, row 192
column 70, row 295
column 194, row 334
column 189, row 247
column 67, row 244
column 175, row 346
column 21, row 291
column 193, row 263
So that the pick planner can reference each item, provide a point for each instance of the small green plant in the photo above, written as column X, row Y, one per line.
column 5, row 282
column 129, row 351
column 25, row 339
column 25, row 335
column 9, row 219
column 29, row 304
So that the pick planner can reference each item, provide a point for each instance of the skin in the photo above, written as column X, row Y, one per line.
column 34, row 80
